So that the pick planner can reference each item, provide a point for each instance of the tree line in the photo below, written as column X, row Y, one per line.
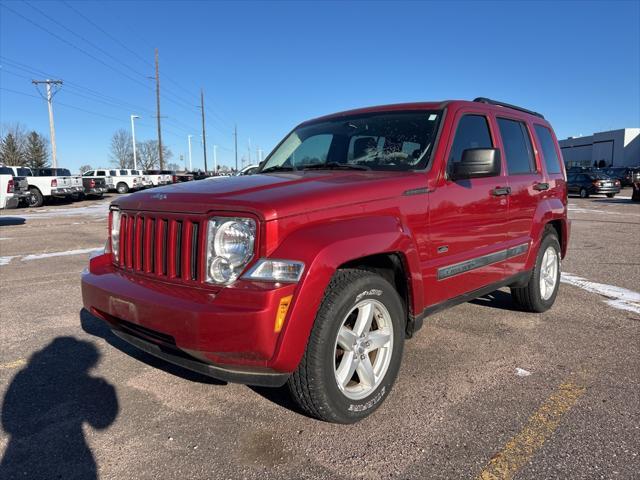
column 147, row 153
column 20, row 147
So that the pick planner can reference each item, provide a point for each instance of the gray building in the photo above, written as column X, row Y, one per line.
column 617, row 148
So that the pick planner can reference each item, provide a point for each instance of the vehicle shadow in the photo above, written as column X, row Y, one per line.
column 10, row 221
column 498, row 299
column 613, row 200
column 44, row 410
column 98, row 328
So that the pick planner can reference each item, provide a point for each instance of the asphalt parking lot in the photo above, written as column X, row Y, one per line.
column 484, row 390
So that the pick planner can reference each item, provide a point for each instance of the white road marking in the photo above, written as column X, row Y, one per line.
column 617, row 297
column 40, row 256
column 5, row 238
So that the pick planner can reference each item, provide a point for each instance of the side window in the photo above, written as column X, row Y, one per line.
column 472, row 132
column 517, row 146
column 123, row 172
column 571, row 178
column 100, row 173
column 549, row 152
column 88, row 174
column 112, row 173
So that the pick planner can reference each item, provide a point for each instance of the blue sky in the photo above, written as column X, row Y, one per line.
column 269, row 65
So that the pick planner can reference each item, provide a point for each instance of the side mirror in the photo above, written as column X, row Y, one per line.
column 477, row 163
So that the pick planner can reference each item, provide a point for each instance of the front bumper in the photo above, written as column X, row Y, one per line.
column 226, row 333
column 605, row 190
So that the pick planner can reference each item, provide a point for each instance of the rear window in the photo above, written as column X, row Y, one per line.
column 517, row 146
column 63, row 172
column 23, row 172
column 6, row 171
column 549, row 153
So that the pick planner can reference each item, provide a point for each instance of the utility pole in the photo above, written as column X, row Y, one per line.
column 204, row 135
column 215, row 159
column 52, row 129
column 133, row 140
column 158, row 113
column 189, row 140
column 235, row 141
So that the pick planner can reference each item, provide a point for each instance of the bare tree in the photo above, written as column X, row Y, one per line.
column 85, row 168
column 173, row 166
column 148, row 154
column 121, row 149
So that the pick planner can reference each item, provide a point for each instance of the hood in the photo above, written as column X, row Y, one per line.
column 272, row 195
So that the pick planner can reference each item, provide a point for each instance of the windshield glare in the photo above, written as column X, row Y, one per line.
column 382, row 141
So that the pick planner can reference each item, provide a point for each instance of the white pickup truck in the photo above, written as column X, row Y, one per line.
column 124, row 181
column 50, row 182
column 158, row 178
column 8, row 199
column 146, row 179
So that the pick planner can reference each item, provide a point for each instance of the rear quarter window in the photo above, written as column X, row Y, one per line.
column 549, row 152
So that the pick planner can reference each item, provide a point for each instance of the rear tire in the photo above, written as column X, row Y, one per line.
column 584, row 193
column 611, row 195
column 344, row 375
column 122, row 188
column 540, row 292
column 36, row 199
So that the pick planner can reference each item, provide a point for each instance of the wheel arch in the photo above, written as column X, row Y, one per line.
column 379, row 242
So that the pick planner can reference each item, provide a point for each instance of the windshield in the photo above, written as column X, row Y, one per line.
column 380, row 141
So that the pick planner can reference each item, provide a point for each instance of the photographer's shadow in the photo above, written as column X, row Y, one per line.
column 44, row 410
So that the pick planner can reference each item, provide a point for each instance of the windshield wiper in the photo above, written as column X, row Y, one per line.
column 334, row 166
column 277, row 168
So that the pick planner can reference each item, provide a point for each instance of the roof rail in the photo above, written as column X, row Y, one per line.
column 507, row 105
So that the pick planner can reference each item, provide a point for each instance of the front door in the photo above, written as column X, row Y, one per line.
column 467, row 220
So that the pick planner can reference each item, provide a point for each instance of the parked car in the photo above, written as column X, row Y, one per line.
column 103, row 174
column 143, row 179
column 358, row 226
column 623, row 174
column 47, row 183
column 179, row 177
column 21, row 184
column 592, row 183
column 8, row 198
column 248, row 170
column 124, row 181
column 94, row 187
column 157, row 177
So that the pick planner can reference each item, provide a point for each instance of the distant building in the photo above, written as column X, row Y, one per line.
column 617, row 148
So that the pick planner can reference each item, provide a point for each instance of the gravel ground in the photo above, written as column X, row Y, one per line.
column 80, row 403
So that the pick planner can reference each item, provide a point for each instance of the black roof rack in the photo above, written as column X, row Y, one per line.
column 507, row 105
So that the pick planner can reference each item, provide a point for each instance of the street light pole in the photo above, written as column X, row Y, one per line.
column 215, row 159
column 189, row 140
column 133, row 140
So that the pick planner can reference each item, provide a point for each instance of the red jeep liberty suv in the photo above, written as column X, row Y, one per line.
column 358, row 226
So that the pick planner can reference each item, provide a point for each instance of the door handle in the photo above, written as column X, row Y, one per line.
column 540, row 186
column 501, row 191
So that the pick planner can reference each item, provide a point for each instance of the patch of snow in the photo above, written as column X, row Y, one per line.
column 6, row 260
column 40, row 256
column 101, row 210
column 521, row 372
column 617, row 297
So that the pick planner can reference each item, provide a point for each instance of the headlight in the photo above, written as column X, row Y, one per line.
column 115, row 233
column 230, row 244
column 272, row 270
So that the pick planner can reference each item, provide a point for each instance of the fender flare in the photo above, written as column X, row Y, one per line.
column 323, row 248
column 548, row 210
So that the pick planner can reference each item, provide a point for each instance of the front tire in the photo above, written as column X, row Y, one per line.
column 540, row 292
column 584, row 193
column 611, row 195
column 354, row 350
column 122, row 188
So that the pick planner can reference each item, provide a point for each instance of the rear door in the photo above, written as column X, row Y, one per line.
column 467, row 219
column 527, row 188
